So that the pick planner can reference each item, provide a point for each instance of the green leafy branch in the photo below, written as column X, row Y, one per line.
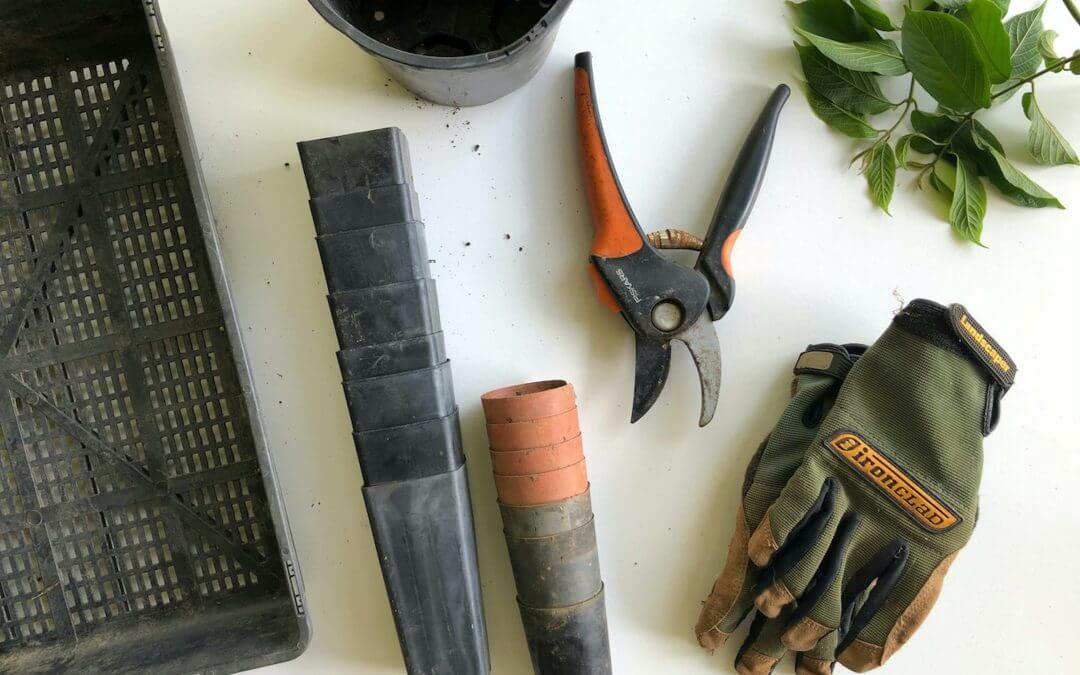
column 967, row 57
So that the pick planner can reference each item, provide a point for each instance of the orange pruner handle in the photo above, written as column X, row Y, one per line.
column 617, row 233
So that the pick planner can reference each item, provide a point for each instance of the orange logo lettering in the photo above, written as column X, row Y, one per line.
column 868, row 461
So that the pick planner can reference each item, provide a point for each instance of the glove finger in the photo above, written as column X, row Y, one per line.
column 730, row 599
column 868, row 649
column 876, row 580
column 801, row 510
column 818, row 610
column 762, row 649
column 793, row 563
column 820, row 659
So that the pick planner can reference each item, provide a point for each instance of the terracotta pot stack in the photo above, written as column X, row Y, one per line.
column 539, row 465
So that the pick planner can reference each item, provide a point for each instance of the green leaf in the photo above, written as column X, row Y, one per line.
column 952, row 4
column 879, row 167
column 853, row 91
column 983, row 18
column 968, row 204
column 937, row 127
column 1046, row 45
column 873, row 14
column 904, row 146
column 833, row 19
column 877, row 56
column 1046, row 50
column 978, row 146
column 1013, row 183
column 945, row 174
column 941, row 53
column 1045, row 142
column 848, row 123
column 987, row 137
column 1003, row 5
column 1024, row 31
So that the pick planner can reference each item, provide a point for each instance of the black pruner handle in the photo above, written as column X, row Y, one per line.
column 736, row 202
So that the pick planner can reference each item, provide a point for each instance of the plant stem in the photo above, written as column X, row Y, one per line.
column 1073, row 10
column 1020, row 83
column 908, row 102
column 886, row 135
column 948, row 141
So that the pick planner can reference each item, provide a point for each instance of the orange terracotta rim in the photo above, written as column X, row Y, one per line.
column 534, row 433
column 530, row 401
column 537, row 460
column 543, row 488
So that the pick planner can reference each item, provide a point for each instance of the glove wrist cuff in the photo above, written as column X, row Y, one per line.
column 954, row 330
column 829, row 359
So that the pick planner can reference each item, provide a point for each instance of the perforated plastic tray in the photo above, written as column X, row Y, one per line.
column 140, row 527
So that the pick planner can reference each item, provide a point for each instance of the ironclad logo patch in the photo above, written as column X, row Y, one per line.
column 872, row 464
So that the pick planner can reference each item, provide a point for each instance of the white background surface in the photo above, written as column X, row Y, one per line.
column 679, row 85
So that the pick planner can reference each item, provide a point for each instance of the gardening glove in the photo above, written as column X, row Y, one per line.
column 858, row 542
column 819, row 373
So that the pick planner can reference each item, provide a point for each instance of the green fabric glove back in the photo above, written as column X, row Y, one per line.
column 855, row 547
column 818, row 375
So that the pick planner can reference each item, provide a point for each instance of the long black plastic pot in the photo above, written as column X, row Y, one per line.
column 401, row 398
column 454, row 52
column 424, row 537
column 372, row 316
column 355, row 162
column 568, row 640
column 375, row 256
column 389, row 358
column 371, row 207
column 410, row 451
column 556, row 571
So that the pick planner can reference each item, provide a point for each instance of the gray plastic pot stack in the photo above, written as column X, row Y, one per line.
column 400, row 394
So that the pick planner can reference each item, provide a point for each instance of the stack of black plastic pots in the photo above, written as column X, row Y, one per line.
column 400, row 395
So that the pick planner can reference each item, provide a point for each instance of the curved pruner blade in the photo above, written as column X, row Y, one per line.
column 700, row 338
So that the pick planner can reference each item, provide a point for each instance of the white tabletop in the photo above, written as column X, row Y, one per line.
column 679, row 85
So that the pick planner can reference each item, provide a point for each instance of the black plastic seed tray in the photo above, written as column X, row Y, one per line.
column 141, row 530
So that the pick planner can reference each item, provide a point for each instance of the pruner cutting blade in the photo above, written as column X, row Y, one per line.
column 700, row 338
column 651, row 366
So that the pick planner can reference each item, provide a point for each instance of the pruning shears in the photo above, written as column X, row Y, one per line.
column 661, row 300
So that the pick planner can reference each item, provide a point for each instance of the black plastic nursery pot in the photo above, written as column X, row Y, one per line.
column 389, row 358
column 569, row 640
column 454, row 52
